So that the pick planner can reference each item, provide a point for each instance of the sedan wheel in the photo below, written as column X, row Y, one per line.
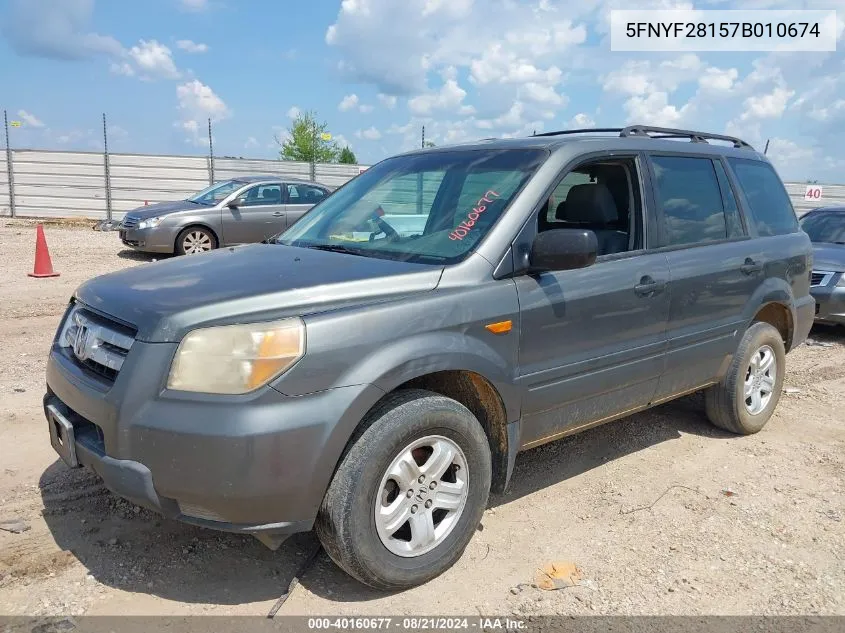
column 195, row 240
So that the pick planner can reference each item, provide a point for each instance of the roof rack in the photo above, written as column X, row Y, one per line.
column 648, row 131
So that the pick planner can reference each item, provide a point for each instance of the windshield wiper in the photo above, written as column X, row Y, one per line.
column 334, row 248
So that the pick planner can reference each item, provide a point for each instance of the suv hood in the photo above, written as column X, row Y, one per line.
column 164, row 300
column 164, row 208
column 830, row 257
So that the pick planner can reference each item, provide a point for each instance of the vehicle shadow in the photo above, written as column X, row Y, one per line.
column 135, row 550
column 138, row 256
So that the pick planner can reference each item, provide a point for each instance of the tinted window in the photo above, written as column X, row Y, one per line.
column 771, row 210
column 305, row 194
column 438, row 188
column 732, row 218
column 825, row 227
column 262, row 194
column 689, row 195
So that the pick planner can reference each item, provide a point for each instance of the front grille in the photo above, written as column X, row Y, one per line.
column 129, row 222
column 97, row 343
column 820, row 277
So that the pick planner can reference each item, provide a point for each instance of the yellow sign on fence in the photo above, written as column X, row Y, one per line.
column 325, row 136
column 15, row 123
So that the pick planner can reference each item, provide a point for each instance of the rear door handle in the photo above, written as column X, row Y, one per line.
column 278, row 214
column 750, row 267
column 649, row 287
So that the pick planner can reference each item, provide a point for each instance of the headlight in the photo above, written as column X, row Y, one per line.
column 149, row 223
column 235, row 359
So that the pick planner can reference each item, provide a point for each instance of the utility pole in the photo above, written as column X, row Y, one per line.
column 9, row 170
column 106, row 167
column 210, row 155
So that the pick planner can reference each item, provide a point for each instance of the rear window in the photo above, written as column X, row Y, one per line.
column 689, row 195
column 769, row 204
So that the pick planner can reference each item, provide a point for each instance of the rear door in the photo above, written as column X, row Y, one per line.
column 713, row 268
column 261, row 215
column 300, row 198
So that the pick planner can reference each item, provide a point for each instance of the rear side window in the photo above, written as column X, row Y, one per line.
column 731, row 208
column 771, row 210
column 689, row 196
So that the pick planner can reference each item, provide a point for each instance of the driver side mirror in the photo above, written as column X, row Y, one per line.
column 237, row 202
column 563, row 249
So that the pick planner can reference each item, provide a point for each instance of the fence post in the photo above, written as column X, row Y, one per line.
column 9, row 169
column 107, row 173
column 210, row 155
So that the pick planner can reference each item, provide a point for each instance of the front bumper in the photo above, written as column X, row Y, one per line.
column 156, row 240
column 830, row 303
column 256, row 464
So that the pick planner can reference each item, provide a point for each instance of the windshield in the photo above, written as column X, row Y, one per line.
column 216, row 192
column 825, row 227
column 425, row 208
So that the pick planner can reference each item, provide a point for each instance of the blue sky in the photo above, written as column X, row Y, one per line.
column 377, row 70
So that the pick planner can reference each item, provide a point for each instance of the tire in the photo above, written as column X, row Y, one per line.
column 368, row 548
column 197, row 235
column 726, row 403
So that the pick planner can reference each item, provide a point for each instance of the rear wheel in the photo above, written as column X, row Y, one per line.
column 746, row 397
column 195, row 239
column 409, row 493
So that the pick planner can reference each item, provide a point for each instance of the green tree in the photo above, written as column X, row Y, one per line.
column 429, row 144
column 305, row 143
column 347, row 157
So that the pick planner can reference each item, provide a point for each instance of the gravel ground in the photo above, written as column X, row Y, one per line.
column 662, row 513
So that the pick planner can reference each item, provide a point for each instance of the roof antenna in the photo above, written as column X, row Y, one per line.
column 767, row 146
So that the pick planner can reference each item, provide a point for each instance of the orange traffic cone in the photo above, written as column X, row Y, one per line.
column 43, row 265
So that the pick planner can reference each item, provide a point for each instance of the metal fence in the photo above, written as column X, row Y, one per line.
column 78, row 185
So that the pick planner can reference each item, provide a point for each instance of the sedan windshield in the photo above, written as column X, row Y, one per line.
column 216, row 192
column 433, row 207
column 825, row 227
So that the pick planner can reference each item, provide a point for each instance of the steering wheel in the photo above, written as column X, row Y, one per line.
column 391, row 233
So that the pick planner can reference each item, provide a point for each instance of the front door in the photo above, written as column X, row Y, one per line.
column 300, row 199
column 259, row 216
column 592, row 341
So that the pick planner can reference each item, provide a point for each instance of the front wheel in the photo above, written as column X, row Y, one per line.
column 746, row 397
column 195, row 239
column 409, row 493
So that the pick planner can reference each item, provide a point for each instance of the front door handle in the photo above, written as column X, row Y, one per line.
column 648, row 287
column 750, row 267
column 278, row 214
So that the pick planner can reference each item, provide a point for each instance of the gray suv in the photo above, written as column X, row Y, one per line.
column 378, row 386
column 239, row 211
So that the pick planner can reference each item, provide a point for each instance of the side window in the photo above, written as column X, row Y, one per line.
column 690, row 199
column 602, row 196
column 770, row 207
column 305, row 194
column 732, row 218
column 263, row 194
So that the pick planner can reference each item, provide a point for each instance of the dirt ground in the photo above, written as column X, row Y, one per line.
column 662, row 513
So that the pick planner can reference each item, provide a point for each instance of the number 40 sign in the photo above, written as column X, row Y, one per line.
column 813, row 193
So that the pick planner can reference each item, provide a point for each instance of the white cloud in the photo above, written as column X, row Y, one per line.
column 198, row 103
column 365, row 108
column 717, row 80
column 293, row 112
column 540, row 93
column 194, row 5
column 56, row 29
column 190, row 46
column 498, row 64
column 370, row 134
column 388, row 101
column 581, row 120
column 154, row 59
column 348, row 103
column 30, row 119
column 342, row 141
column 767, row 106
column 251, row 143
column 122, row 68
column 655, row 109
column 449, row 97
